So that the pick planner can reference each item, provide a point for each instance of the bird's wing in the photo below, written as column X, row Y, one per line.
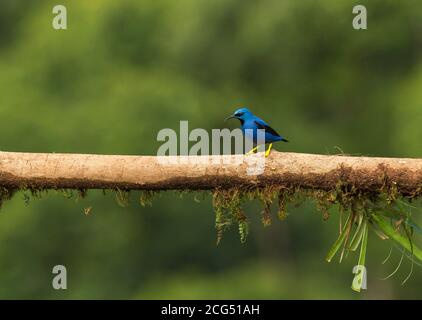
column 261, row 124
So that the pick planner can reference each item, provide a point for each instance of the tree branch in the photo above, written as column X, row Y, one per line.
column 309, row 171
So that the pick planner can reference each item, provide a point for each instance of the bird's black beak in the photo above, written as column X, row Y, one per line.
column 230, row 117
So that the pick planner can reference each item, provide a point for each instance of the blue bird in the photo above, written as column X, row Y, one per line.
column 250, row 121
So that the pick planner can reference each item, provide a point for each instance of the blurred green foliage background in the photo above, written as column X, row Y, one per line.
column 126, row 69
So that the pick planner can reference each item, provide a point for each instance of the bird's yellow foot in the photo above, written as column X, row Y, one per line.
column 252, row 151
column 267, row 152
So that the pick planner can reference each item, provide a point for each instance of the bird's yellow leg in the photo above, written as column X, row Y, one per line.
column 252, row 150
column 267, row 152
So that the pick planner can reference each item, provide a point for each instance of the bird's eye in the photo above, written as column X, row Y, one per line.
column 239, row 114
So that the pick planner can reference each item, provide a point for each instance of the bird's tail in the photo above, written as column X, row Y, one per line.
column 284, row 139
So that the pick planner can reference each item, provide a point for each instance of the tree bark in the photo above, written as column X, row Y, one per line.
column 310, row 171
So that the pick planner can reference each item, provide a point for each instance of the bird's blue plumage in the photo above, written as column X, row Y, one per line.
column 250, row 121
